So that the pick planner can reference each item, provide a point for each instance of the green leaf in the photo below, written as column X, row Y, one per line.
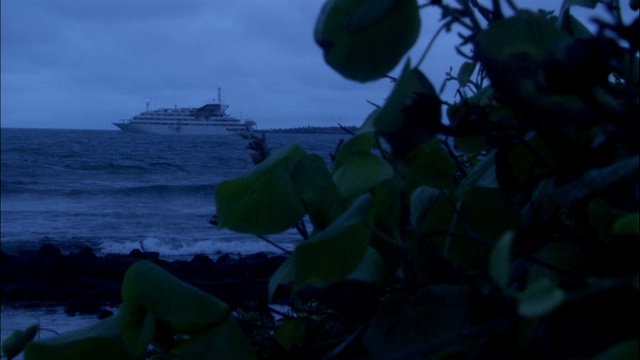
column 370, row 269
column 264, row 200
column 101, row 341
column 285, row 274
column 423, row 200
column 364, row 40
column 412, row 114
column 138, row 326
column 561, row 255
column 410, row 85
column 387, row 212
column 500, row 260
column 223, row 341
column 291, row 333
column 339, row 252
column 525, row 33
column 367, row 13
column 482, row 175
column 466, row 117
column 482, row 216
column 317, row 191
column 360, row 173
column 188, row 309
column 361, row 143
column 602, row 216
column 465, row 72
column 429, row 165
column 627, row 225
column 15, row 343
column 512, row 51
column 629, row 349
column 336, row 252
column 596, row 179
column 356, row 169
column 520, row 166
column 539, row 299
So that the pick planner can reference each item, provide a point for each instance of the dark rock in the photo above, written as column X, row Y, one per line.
column 223, row 259
column 202, row 260
column 148, row 255
column 104, row 313
column 85, row 283
column 136, row 253
column 48, row 250
column 86, row 251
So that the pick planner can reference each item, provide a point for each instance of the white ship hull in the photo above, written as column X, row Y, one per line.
column 181, row 129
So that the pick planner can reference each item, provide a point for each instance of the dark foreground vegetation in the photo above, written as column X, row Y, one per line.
column 509, row 231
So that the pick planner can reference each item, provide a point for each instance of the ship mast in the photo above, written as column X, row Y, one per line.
column 219, row 95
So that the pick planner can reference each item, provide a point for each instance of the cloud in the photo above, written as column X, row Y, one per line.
column 87, row 63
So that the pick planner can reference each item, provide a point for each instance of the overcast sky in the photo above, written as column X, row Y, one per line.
column 83, row 64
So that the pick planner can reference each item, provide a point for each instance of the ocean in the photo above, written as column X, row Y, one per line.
column 115, row 192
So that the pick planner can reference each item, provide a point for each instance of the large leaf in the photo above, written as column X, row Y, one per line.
column 362, row 39
column 520, row 166
column 629, row 349
column 358, row 144
column 423, row 200
column 525, row 33
column 188, row 309
column 412, row 89
column 336, row 252
column 360, row 173
column 482, row 216
column 387, row 214
column 512, row 51
column 15, row 343
column 356, row 169
column 539, row 299
column 627, row 225
column 597, row 179
column 138, row 326
column 429, row 165
column 561, row 255
column 317, row 191
column 500, row 260
column 331, row 255
column 101, row 341
column 264, row 200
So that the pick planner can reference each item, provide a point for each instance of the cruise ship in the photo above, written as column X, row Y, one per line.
column 209, row 119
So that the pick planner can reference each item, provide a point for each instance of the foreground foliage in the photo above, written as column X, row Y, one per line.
column 511, row 231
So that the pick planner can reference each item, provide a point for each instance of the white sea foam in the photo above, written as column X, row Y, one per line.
column 170, row 249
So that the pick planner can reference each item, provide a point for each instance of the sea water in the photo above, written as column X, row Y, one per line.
column 115, row 192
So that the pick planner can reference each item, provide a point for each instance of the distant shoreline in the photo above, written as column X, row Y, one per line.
column 312, row 130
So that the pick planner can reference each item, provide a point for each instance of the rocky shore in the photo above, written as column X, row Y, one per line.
column 85, row 283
